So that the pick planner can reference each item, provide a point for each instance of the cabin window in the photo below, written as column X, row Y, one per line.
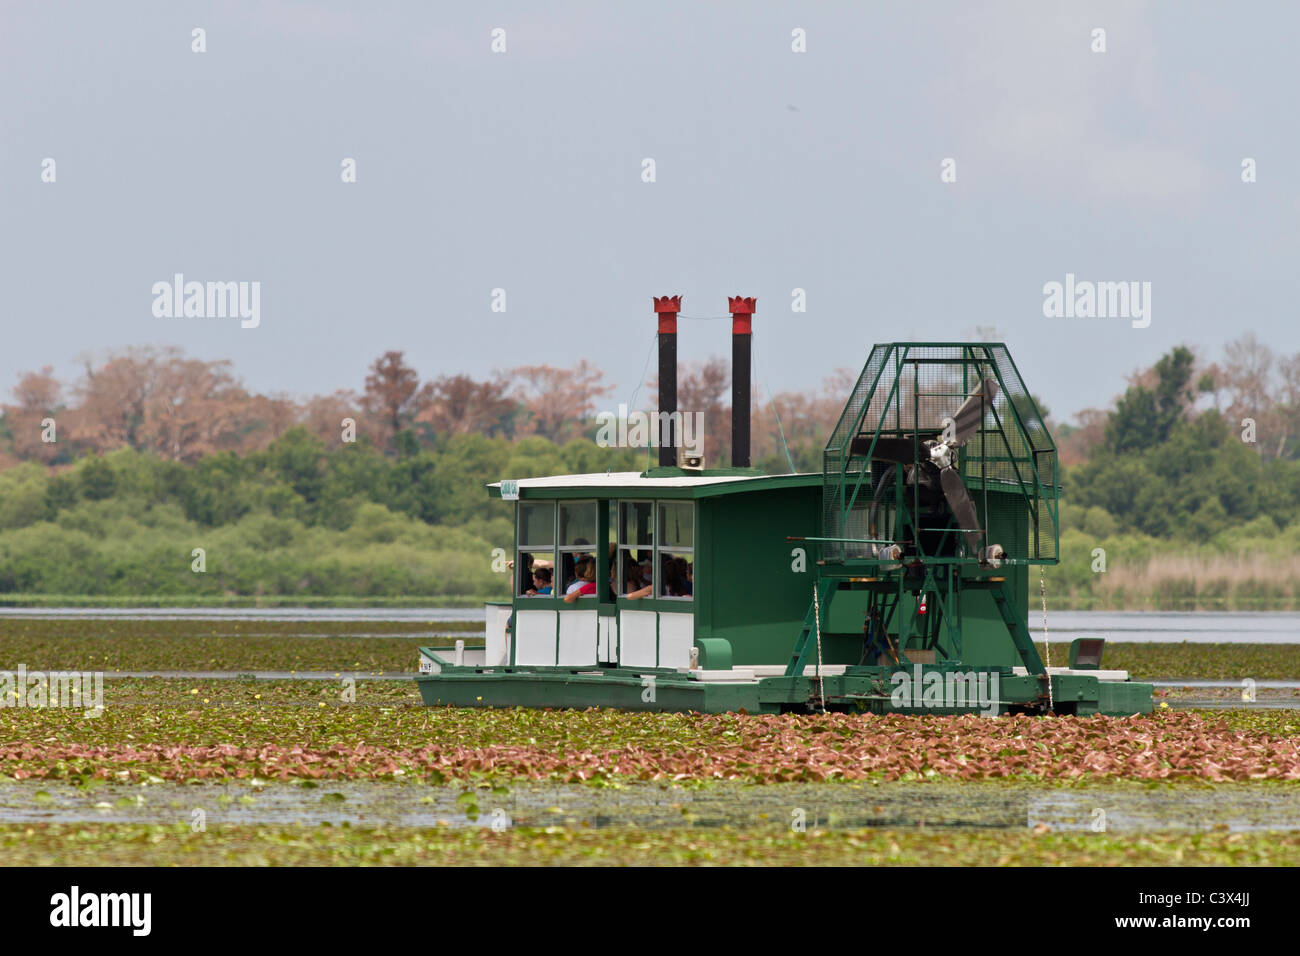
column 675, row 554
column 577, row 541
column 536, row 549
column 635, row 546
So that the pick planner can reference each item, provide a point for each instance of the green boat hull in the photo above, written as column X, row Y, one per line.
column 860, row 689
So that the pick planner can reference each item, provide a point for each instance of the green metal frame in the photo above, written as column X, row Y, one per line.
column 1032, row 487
column 939, row 573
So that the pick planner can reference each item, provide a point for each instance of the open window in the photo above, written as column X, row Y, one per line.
column 577, row 545
column 536, row 549
column 635, row 547
column 675, row 551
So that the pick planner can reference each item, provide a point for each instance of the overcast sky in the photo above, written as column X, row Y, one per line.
column 523, row 170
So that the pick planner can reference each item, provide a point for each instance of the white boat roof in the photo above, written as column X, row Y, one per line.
column 632, row 483
column 632, row 479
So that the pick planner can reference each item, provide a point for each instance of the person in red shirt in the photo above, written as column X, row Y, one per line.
column 587, row 574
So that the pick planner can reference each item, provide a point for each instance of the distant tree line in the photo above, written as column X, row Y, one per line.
column 183, row 409
column 1190, row 449
column 1170, row 458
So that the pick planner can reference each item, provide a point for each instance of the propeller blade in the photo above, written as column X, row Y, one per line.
column 968, row 417
column 899, row 450
column 963, row 508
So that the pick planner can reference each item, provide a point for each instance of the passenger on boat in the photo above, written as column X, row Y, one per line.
column 634, row 587
column 571, row 567
column 541, row 582
column 524, row 573
column 586, row 583
column 682, row 576
column 674, row 572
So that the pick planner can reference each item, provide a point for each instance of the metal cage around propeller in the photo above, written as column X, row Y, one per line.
column 940, row 455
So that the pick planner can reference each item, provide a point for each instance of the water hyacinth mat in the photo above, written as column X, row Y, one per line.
column 302, row 772
column 221, row 729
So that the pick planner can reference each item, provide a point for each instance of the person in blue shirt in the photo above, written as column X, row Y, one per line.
column 541, row 581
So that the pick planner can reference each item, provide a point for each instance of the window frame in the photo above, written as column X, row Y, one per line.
column 624, row 550
column 522, row 548
column 561, row 550
column 676, row 550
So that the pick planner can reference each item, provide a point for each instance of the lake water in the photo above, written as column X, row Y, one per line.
column 1155, row 627
column 249, row 613
column 1236, row 627
column 648, row 806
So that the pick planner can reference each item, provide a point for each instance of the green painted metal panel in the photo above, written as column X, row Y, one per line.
column 623, row 691
column 746, row 589
column 985, row 641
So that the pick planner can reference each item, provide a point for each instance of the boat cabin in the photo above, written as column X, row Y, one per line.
column 670, row 558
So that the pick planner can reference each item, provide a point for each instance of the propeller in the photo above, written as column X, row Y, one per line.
column 965, row 423
column 963, row 508
column 936, row 455
column 967, row 420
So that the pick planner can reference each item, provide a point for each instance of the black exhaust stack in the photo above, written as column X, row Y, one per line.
column 667, row 307
column 742, row 312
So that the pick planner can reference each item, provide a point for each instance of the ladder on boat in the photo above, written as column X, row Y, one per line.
column 807, row 640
